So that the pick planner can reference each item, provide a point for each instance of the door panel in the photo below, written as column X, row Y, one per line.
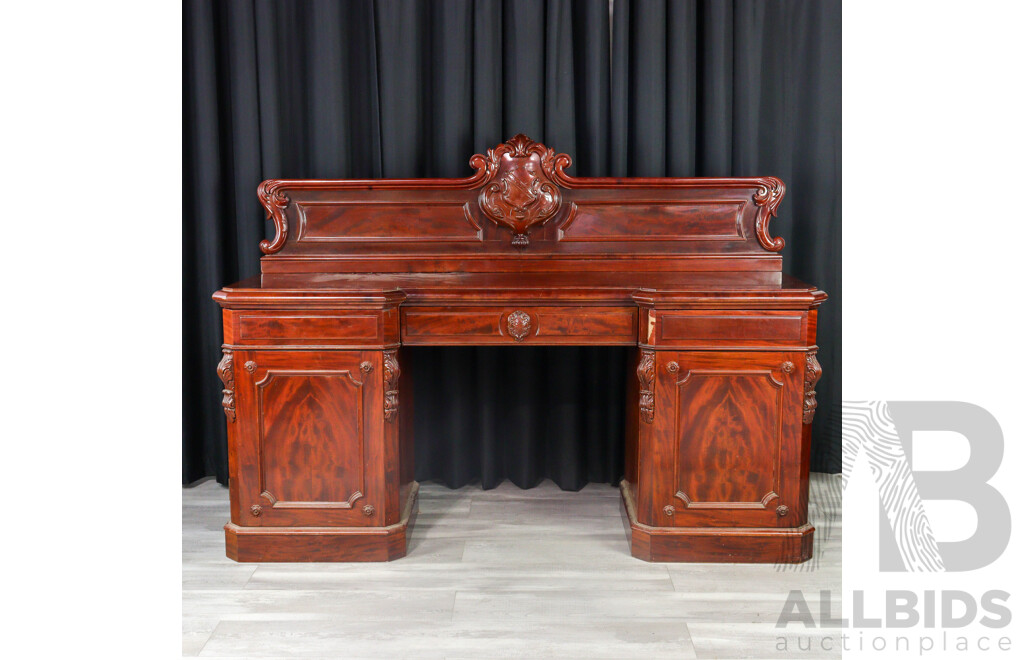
column 731, row 438
column 307, row 449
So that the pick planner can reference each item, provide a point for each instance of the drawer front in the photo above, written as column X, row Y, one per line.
column 699, row 329
column 533, row 325
column 352, row 328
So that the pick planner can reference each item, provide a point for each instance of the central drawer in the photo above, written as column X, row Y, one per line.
column 528, row 325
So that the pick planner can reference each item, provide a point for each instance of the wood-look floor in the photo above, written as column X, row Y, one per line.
column 537, row 573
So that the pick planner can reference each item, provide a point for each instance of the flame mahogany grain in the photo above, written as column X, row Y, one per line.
column 317, row 395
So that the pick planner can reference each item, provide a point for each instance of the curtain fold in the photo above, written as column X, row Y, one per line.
column 401, row 88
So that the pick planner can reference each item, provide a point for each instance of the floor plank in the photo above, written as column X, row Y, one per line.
column 498, row 573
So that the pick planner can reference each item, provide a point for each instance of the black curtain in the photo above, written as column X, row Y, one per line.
column 408, row 88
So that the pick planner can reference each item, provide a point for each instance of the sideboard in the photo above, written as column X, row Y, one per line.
column 721, row 391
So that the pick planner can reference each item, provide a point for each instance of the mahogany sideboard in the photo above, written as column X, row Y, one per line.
column 721, row 398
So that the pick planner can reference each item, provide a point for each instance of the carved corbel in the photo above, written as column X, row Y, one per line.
column 391, row 374
column 645, row 373
column 226, row 372
column 812, row 374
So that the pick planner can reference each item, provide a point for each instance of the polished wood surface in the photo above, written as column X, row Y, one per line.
column 317, row 400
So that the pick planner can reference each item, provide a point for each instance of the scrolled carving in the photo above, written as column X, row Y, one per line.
column 519, row 188
column 274, row 200
column 226, row 372
column 768, row 197
column 645, row 373
column 518, row 325
column 250, row 366
column 391, row 374
column 812, row 374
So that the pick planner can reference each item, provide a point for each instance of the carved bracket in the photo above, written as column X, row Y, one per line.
column 391, row 374
column 275, row 201
column 226, row 372
column 768, row 197
column 812, row 374
column 645, row 373
column 519, row 190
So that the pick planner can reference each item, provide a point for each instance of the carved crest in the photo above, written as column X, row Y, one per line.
column 519, row 191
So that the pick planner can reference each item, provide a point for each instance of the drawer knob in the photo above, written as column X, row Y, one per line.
column 782, row 511
column 518, row 324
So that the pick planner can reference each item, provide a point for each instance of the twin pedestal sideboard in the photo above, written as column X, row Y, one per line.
column 721, row 391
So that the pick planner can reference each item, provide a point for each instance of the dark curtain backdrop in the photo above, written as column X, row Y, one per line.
column 412, row 89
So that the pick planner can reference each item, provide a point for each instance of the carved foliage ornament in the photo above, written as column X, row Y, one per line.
column 226, row 372
column 519, row 191
column 812, row 374
column 391, row 374
column 645, row 373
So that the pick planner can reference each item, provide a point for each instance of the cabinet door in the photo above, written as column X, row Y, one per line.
column 307, row 448
column 729, row 439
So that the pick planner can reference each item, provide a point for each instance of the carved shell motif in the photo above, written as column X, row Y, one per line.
column 519, row 192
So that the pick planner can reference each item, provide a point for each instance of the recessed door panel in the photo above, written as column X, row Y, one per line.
column 727, row 423
column 311, row 450
column 308, row 448
column 731, row 440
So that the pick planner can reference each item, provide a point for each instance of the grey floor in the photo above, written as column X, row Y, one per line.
column 537, row 573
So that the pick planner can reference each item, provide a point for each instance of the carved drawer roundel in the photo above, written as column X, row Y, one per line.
column 518, row 325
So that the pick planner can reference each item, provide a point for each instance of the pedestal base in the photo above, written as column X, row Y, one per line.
column 284, row 544
column 783, row 545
